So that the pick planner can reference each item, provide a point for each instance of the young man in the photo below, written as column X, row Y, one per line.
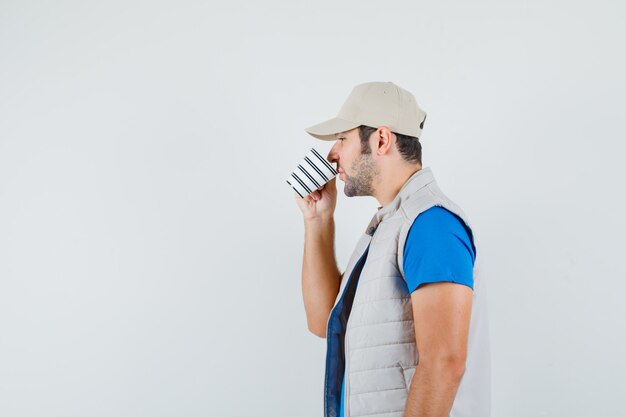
column 406, row 323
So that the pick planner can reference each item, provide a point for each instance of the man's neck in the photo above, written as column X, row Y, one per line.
column 387, row 188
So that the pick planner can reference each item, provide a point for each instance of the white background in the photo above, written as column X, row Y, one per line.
column 150, row 249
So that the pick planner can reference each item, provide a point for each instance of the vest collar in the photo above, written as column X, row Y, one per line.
column 416, row 181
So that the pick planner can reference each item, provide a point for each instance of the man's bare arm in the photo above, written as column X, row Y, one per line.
column 441, row 315
column 320, row 274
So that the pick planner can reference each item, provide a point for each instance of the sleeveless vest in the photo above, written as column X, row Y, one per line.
column 370, row 331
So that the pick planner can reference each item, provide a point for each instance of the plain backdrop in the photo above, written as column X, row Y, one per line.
column 150, row 248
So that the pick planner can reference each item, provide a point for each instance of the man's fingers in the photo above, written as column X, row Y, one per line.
column 306, row 198
column 315, row 195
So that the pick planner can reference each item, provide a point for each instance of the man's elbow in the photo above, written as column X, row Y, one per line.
column 452, row 366
column 317, row 329
column 456, row 364
column 458, row 370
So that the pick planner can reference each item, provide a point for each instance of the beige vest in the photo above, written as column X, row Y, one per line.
column 378, row 338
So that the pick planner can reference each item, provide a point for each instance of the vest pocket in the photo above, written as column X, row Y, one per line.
column 408, row 372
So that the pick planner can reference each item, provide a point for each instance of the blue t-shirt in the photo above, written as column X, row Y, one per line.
column 437, row 249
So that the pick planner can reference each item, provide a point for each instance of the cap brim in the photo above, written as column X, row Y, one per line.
column 327, row 130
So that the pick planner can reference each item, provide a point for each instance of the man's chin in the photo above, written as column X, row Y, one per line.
column 348, row 192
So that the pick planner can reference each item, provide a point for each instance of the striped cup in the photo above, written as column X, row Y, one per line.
column 312, row 172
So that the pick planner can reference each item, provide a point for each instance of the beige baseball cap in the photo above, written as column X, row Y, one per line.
column 375, row 104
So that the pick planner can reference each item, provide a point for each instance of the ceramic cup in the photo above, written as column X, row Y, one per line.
column 311, row 173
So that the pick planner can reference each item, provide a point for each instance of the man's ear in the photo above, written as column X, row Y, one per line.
column 384, row 139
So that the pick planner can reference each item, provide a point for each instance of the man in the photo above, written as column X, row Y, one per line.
column 406, row 322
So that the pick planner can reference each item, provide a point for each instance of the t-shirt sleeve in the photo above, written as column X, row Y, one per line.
column 438, row 249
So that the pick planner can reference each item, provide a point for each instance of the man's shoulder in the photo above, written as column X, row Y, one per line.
column 438, row 227
column 438, row 218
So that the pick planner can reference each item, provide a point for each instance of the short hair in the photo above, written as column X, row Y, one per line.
column 409, row 146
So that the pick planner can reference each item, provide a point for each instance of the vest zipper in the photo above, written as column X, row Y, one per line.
column 358, row 266
column 346, row 405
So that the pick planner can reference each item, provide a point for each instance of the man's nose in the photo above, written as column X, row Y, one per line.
column 332, row 154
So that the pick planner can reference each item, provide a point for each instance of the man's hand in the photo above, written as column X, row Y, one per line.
column 441, row 313
column 320, row 204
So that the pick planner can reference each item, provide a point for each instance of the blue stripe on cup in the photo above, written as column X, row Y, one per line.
column 310, row 177
column 324, row 161
column 295, row 189
column 319, row 171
